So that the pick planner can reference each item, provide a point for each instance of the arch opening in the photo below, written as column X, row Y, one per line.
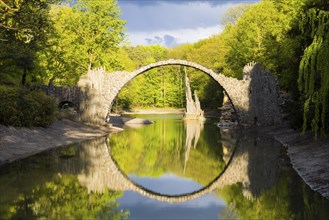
column 67, row 105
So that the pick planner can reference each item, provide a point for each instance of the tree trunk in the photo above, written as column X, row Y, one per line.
column 90, row 60
column 24, row 77
column 50, row 84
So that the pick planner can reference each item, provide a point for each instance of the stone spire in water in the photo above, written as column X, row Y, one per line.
column 193, row 107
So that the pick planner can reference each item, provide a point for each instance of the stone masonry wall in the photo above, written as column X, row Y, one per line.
column 62, row 93
column 264, row 107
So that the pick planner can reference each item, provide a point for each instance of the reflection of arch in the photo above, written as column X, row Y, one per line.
column 102, row 171
column 100, row 88
column 254, row 162
column 216, row 183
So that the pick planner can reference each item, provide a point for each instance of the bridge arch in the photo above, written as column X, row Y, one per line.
column 219, row 78
column 99, row 89
column 115, row 81
column 210, row 72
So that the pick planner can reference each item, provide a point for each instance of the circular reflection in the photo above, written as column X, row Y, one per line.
column 172, row 157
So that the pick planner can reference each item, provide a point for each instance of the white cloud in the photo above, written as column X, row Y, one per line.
column 171, row 16
column 173, row 22
column 181, row 36
column 166, row 40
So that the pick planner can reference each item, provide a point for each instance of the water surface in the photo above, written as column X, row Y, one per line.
column 167, row 170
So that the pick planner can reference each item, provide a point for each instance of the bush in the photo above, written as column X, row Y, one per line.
column 24, row 108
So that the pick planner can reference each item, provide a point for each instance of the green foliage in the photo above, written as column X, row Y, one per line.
column 87, row 35
column 313, row 78
column 39, row 45
column 165, row 86
column 211, row 54
column 290, row 38
column 21, row 107
column 233, row 14
column 159, row 87
column 260, row 33
column 143, row 55
column 24, row 28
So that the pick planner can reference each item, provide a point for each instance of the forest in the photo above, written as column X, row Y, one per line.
column 53, row 42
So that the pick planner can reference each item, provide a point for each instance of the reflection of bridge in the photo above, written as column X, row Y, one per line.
column 97, row 170
column 255, row 98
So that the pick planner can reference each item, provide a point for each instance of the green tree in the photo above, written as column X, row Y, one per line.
column 155, row 88
column 313, row 78
column 88, row 35
column 24, row 29
column 211, row 54
column 100, row 31
column 233, row 14
column 60, row 62
column 260, row 33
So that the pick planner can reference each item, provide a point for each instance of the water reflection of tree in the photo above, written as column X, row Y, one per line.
column 36, row 188
column 65, row 198
column 162, row 148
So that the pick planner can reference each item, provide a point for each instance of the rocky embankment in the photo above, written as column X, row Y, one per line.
column 19, row 143
column 309, row 157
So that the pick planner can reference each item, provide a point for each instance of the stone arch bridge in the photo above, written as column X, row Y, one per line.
column 255, row 98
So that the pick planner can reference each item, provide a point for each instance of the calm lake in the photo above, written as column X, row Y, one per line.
column 172, row 169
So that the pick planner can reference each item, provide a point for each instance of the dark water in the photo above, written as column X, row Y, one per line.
column 168, row 170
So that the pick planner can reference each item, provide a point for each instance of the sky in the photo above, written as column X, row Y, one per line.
column 173, row 22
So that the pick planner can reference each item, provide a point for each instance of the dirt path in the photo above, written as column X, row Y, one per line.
column 20, row 143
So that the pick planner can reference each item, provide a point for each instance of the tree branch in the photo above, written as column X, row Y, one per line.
column 3, row 4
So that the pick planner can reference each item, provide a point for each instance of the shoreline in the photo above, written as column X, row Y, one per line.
column 20, row 143
column 308, row 157
column 153, row 111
